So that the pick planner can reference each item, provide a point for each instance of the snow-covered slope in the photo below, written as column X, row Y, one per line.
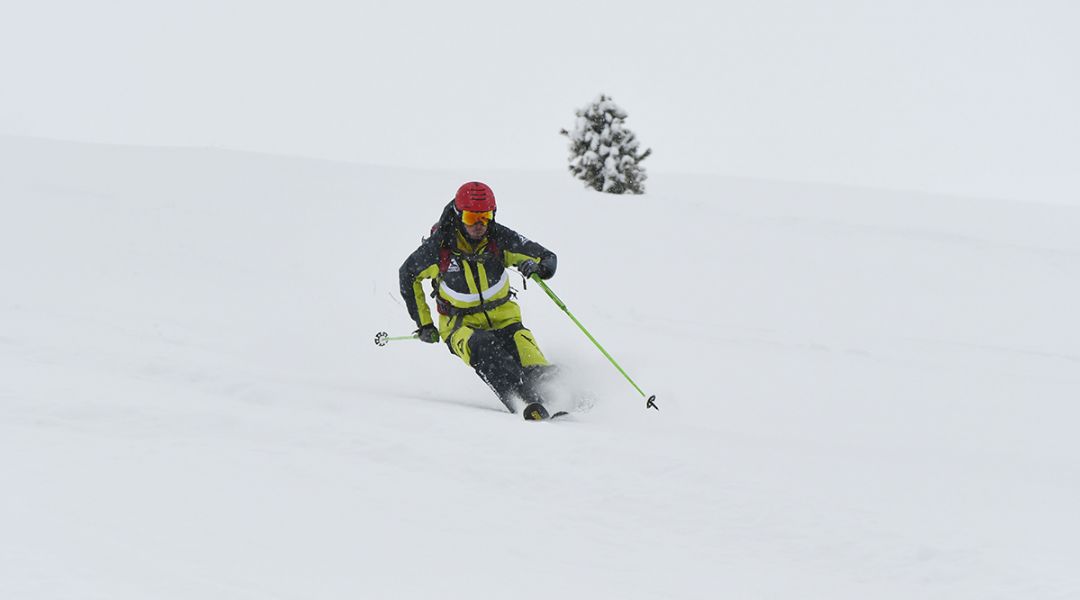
column 864, row 394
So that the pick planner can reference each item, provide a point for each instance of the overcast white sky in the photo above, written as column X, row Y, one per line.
column 970, row 97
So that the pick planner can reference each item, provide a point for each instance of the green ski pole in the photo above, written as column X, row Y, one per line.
column 650, row 401
column 382, row 338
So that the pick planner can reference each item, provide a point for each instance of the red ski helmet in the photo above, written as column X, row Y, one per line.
column 474, row 197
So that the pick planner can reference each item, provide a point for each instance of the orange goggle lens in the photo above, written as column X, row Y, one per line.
column 469, row 217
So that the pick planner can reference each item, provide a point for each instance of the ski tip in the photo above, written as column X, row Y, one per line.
column 535, row 412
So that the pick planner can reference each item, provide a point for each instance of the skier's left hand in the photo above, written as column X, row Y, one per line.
column 528, row 267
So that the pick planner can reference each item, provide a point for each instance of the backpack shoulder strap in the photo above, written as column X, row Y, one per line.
column 444, row 259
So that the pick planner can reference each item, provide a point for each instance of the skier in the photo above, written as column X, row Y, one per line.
column 467, row 255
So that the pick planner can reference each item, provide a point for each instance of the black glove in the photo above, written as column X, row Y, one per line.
column 428, row 334
column 528, row 267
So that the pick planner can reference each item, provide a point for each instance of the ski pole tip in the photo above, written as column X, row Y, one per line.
column 381, row 338
column 651, row 403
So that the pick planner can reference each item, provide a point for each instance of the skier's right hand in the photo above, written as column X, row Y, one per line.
column 427, row 334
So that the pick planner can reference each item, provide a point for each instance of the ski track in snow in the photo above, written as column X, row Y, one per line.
column 863, row 394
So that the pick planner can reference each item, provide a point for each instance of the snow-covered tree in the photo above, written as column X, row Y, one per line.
column 603, row 152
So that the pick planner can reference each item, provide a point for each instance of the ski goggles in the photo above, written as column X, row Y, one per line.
column 470, row 218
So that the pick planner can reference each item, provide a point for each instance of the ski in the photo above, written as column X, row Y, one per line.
column 536, row 412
